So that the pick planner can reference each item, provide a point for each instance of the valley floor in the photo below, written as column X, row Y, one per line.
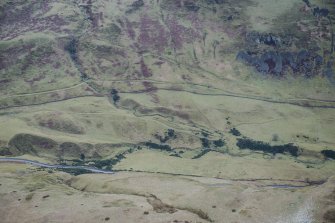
column 33, row 195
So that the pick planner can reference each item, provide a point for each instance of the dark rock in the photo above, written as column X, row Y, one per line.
column 261, row 66
column 267, row 38
column 305, row 62
column 318, row 60
column 307, row 3
column 191, row 6
column 210, row 2
column 274, row 62
column 244, row 56
column 329, row 72
column 320, row 12
column 330, row 75
column 135, row 6
column 288, row 59
column 138, row 3
column 302, row 56
column 215, row 2
column 269, row 62
column 220, row 1
column 259, row 63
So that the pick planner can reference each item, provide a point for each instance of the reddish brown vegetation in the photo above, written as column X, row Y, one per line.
column 17, row 18
column 130, row 30
column 149, row 87
column 152, row 34
column 146, row 72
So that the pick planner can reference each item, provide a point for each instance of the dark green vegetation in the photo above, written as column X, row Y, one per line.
column 158, row 146
column 218, row 143
column 72, row 48
column 245, row 143
column 115, row 96
column 79, row 153
column 208, row 146
column 106, row 164
column 328, row 153
column 206, row 143
column 4, row 151
column 235, row 132
column 29, row 144
column 168, row 135
column 109, row 163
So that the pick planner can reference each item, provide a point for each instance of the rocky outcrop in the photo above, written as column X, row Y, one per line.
column 191, row 6
column 269, row 39
column 135, row 6
column 278, row 63
column 329, row 72
column 215, row 1
column 274, row 58
column 320, row 12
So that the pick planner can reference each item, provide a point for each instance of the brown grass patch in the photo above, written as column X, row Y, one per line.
column 159, row 206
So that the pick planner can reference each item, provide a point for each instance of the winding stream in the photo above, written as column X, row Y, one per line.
column 58, row 166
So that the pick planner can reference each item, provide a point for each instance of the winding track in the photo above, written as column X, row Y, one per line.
column 100, row 171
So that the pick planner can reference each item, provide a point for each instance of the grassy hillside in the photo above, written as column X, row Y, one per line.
column 238, row 90
column 95, row 76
